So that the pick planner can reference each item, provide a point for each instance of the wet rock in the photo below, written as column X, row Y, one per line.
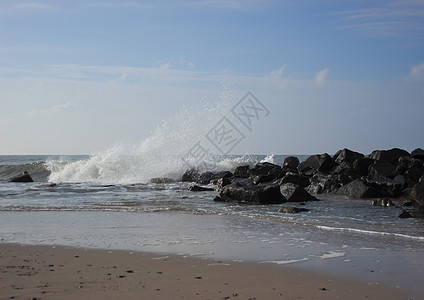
column 294, row 178
column 322, row 183
column 358, row 189
column 190, row 176
column 413, row 175
column 24, row 177
column 162, row 180
column 295, row 193
column 196, row 188
column 242, row 172
column 386, row 188
column 208, row 177
column 291, row 162
column 417, row 195
column 404, row 214
column 346, row 156
column 242, row 192
column 264, row 168
column 392, row 156
column 218, row 199
column 361, row 165
column 382, row 202
column 381, row 170
column 222, row 182
column 316, row 163
column 292, row 210
column 418, row 153
column 263, row 178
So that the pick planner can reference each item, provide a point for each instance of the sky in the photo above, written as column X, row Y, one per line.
column 77, row 77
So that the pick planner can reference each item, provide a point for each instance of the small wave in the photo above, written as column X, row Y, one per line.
column 38, row 171
column 370, row 232
column 284, row 262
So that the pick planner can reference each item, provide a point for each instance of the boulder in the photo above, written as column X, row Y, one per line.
column 361, row 165
column 381, row 170
column 418, row 153
column 322, row 183
column 252, row 194
column 162, row 180
column 264, row 168
column 220, row 183
column 291, row 162
column 316, row 163
column 218, row 199
column 196, row 188
column 24, row 177
column 346, row 156
column 295, row 193
column 386, row 188
column 262, row 178
column 404, row 214
column 190, row 176
column 392, row 156
column 294, row 178
column 358, row 189
column 413, row 175
column 292, row 210
column 207, row 177
column 417, row 195
column 242, row 172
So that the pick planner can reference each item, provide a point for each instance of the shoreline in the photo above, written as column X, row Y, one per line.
column 51, row 272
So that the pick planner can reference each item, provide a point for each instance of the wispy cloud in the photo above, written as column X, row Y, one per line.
column 54, row 110
column 417, row 71
column 28, row 7
column 391, row 18
column 228, row 4
column 320, row 77
column 115, row 4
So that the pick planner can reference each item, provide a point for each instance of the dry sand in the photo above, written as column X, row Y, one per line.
column 46, row 272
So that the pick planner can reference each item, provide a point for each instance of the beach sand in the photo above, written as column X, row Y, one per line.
column 53, row 272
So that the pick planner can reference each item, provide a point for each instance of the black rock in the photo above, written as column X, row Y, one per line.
column 242, row 172
column 392, row 156
column 358, row 189
column 346, row 156
column 25, row 177
column 162, row 180
column 418, row 153
column 208, row 177
column 222, row 182
column 322, row 183
column 190, row 176
column 264, row 168
column 404, row 214
column 413, row 175
column 292, row 210
column 263, row 178
column 196, row 188
column 291, row 162
column 242, row 192
column 381, row 170
column 294, row 178
column 361, row 165
column 316, row 163
column 417, row 195
column 295, row 193
column 386, row 188
column 218, row 199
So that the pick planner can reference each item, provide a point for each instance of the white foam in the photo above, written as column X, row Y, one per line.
column 162, row 154
column 285, row 262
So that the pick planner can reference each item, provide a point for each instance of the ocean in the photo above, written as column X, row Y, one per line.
column 106, row 201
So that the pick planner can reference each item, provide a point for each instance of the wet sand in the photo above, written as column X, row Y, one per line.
column 53, row 272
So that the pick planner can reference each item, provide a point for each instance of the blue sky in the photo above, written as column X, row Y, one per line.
column 77, row 77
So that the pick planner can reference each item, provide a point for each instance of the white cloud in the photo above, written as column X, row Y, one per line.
column 321, row 77
column 54, row 110
column 417, row 71
column 228, row 4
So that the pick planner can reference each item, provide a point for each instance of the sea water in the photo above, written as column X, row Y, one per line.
column 348, row 237
column 106, row 200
